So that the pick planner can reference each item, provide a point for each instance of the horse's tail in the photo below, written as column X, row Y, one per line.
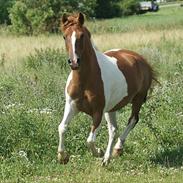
column 154, row 77
column 154, row 81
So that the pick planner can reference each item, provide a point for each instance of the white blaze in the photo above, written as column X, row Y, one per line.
column 73, row 42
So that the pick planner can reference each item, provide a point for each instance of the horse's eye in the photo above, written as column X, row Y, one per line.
column 64, row 37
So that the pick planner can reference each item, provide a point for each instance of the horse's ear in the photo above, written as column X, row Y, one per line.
column 64, row 18
column 81, row 18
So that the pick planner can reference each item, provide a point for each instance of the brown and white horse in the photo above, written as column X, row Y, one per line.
column 100, row 84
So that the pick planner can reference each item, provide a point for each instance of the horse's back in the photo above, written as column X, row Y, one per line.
column 135, row 68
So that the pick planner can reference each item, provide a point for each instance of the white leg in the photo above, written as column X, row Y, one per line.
column 69, row 112
column 112, row 126
column 122, row 138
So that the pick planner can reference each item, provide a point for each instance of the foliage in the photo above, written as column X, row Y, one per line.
column 30, row 17
column 33, row 17
column 107, row 9
column 5, row 5
column 129, row 7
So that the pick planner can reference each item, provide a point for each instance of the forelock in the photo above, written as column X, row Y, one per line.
column 71, row 20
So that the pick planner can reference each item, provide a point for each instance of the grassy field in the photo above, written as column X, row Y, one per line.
column 33, row 72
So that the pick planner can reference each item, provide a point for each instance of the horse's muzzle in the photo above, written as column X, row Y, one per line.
column 74, row 64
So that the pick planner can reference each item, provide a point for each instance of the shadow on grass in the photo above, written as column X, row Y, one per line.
column 170, row 158
column 145, row 15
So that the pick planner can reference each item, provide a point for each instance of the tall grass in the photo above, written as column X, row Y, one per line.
column 13, row 49
column 32, row 102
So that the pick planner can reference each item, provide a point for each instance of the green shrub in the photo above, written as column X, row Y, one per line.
column 34, row 17
column 129, row 7
column 5, row 5
column 107, row 9
column 46, row 57
column 30, row 17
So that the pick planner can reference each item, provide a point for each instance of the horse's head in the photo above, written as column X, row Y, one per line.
column 75, row 35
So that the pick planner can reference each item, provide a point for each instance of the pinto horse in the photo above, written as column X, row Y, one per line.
column 100, row 84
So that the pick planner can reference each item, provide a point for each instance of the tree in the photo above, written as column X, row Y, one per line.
column 29, row 16
column 36, row 16
column 107, row 9
column 4, row 7
column 129, row 7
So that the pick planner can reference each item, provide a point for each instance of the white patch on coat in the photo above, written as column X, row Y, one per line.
column 70, row 106
column 116, row 49
column 68, row 98
column 67, row 83
column 73, row 42
column 114, row 81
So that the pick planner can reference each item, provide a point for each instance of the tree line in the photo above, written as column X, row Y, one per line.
column 36, row 16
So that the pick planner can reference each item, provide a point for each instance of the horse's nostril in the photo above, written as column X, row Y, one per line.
column 69, row 61
column 78, row 60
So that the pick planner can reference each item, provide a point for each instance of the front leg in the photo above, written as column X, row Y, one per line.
column 69, row 112
column 112, row 126
column 97, row 117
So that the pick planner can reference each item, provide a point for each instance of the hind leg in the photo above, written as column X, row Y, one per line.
column 133, row 120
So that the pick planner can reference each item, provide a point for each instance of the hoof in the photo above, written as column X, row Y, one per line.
column 117, row 152
column 63, row 157
column 99, row 153
column 96, row 152
column 105, row 162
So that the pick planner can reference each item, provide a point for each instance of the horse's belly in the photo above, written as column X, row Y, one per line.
column 113, row 98
column 114, row 92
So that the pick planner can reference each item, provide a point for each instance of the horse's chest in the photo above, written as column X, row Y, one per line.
column 114, row 82
column 87, row 99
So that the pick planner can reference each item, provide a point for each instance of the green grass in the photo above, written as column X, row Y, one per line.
column 32, row 103
column 166, row 18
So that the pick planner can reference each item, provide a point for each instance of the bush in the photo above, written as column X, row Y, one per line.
column 116, row 8
column 46, row 58
column 34, row 17
column 107, row 9
column 129, row 7
column 29, row 17
column 4, row 7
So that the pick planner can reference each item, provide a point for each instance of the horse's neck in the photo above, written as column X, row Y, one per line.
column 88, row 66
